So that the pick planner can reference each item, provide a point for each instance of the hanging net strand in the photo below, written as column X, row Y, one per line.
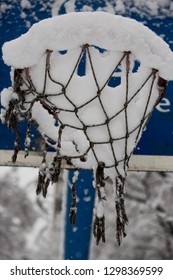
column 73, row 208
column 99, row 220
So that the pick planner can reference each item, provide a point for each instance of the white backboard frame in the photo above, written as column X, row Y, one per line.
column 137, row 162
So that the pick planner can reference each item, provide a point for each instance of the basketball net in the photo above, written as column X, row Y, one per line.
column 92, row 120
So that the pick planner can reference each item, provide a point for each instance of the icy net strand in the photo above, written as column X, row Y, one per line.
column 21, row 108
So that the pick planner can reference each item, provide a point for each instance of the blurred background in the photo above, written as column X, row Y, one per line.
column 32, row 227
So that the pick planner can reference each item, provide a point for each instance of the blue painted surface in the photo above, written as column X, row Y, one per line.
column 157, row 140
column 77, row 238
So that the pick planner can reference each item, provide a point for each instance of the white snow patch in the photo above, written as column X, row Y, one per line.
column 98, row 28
column 25, row 4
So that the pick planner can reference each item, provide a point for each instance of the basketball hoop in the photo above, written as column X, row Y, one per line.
column 92, row 118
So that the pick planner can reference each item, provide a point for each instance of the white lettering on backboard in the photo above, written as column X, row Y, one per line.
column 164, row 106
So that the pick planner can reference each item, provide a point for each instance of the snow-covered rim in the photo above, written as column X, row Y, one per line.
column 108, row 31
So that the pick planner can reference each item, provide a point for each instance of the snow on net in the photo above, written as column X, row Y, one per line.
column 89, row 94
